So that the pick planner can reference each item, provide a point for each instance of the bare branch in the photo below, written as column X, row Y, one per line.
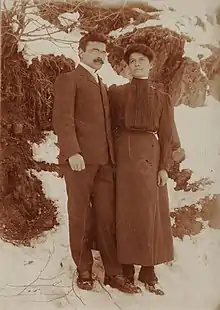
column 52, row 278
column 109, row 294
column 49, row 39
column 40, row 285
column 74, row 291
column 40, row 273
column 29, row 35
column 47, row 263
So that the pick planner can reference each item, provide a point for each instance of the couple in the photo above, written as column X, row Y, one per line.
column 130, row 204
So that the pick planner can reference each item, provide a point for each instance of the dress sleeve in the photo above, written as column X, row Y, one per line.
column 166, row 133
column 176, row 144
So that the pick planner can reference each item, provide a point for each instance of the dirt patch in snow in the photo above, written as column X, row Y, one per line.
column 189, row 220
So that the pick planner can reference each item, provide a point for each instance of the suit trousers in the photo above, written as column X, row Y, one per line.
column 91, row 197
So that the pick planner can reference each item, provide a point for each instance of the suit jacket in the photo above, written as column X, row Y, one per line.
column 81, row 117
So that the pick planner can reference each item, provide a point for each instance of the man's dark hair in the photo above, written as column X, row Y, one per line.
column 91, row 37
column 138, row 48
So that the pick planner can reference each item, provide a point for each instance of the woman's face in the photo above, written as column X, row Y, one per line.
column 139, row 65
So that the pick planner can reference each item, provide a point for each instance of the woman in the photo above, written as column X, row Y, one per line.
column 142, row 118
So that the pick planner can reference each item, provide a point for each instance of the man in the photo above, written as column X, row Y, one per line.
column 82, row 123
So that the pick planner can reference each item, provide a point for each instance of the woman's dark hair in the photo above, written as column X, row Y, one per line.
column 91, row 37
column 138, row 48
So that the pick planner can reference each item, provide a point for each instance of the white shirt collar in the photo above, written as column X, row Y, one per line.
column 91, row 70
column 143, row 78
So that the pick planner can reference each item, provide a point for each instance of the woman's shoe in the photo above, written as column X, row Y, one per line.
column 153, row 289
column 122, row 284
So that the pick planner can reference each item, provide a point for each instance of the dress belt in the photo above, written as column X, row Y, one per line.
column 137, row 130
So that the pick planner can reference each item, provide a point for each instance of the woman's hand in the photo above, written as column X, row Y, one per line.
column 162, row 178
column 179, row 155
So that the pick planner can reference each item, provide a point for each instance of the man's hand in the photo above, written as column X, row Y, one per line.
column 77, row 162
column 162, row 178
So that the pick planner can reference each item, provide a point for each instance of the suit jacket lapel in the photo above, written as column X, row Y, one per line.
column 83, row 72
column 103, row 92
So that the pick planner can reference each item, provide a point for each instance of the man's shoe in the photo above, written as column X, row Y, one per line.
column 122, row 284
column 130, row 279
column 85, row 281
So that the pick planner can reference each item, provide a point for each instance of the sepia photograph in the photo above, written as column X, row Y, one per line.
column 110, row 155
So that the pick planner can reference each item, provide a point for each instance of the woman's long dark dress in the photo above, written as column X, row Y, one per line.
column 143, row 228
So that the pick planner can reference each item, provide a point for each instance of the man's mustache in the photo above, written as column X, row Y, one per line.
column 99, row 60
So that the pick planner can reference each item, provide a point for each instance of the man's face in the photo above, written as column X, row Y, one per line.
column 139, row 65
column 94, row 55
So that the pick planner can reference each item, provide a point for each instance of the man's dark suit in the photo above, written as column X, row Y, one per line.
column 82, row 123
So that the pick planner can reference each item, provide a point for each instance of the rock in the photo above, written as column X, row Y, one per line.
column 211, row 67
column 218, row 19
column 214, row 221
column 182, row 183
column 214, row 87
column 188, row 220
column 189, row 85
column 218, row 307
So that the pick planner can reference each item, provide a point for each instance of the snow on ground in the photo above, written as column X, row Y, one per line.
column 46, row 151
column 42, row 275
column 200, row 137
